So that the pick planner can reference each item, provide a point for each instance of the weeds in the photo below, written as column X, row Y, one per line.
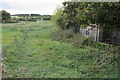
column 77, row 40
column 68, row 36
column 109, row 54
column 67, row 55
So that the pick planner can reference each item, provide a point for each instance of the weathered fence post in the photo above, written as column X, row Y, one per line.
column 0, row 55
column 4, row 52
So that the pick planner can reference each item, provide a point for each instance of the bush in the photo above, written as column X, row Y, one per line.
column 63, row 35
column 68, row 36
column 78, row 40
column 59, row 18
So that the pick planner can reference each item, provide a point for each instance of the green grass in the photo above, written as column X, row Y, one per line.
column 39, row 56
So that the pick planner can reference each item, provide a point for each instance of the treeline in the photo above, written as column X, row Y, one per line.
column 24, row 15
column 6, row 17
column 32, row 17
column 74, row 15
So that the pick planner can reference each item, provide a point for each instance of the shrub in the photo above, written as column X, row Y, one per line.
column 78, row 40
column 68, row 36
column 63, row 35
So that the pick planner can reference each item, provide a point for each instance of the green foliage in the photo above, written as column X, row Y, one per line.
column 38, row 56
column 106, row 15
column 92, row 54
column 64, row 35
column 81, row 14
column 58, row 18
column 5, row 15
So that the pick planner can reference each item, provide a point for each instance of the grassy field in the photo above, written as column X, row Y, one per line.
column 31, row 53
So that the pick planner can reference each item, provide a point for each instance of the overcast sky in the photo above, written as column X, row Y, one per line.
column 30, row 6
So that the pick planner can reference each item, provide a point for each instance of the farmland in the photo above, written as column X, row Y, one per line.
column 32, row 53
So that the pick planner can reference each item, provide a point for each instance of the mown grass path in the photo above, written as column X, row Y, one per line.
column 31, row 52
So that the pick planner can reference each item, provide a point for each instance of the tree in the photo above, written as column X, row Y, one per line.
column 71, row 15
column 109, row 16
column 106, row 15
column 59, row 18
column 5, row 15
